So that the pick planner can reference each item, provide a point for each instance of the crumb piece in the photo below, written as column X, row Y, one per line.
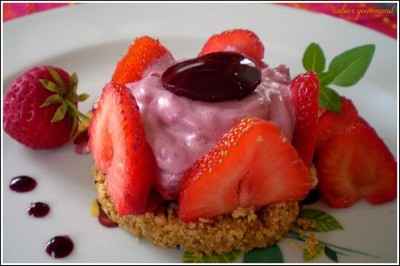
column 94, row 208
column 311, row 245
column 306, row 224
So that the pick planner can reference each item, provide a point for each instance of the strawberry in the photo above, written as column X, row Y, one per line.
column 141, row 54
column 305, row 96
column 355, row 163
column 40, row 107
column 242, row 41
column 120, row 150
column 251, row 166
column 331, row 123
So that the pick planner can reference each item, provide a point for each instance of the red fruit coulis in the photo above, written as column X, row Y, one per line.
column 38, row 209
column 59, row 246
column 104, row 220
column 22, row 183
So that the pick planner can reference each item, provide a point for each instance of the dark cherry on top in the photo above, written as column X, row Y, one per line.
column 214, row 77
column 59, row 246
column 22, row 183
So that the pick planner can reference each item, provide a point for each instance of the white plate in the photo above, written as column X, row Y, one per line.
column 89, row 38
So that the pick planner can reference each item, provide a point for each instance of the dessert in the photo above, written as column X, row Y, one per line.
column 216, row 154
column 213, row 154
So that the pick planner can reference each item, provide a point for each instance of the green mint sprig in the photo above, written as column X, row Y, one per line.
column 324, row 222
column 345, row 70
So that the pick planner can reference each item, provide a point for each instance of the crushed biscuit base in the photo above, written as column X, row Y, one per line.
column 242, row 230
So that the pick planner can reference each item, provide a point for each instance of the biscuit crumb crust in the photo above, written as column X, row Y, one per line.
column 242, row 230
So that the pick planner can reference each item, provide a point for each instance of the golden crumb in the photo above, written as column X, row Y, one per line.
column 94, row 209
column 243, row 230
column 306, row 224
column 311, row 245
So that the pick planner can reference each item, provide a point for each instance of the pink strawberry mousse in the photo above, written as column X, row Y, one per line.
column 181, row 130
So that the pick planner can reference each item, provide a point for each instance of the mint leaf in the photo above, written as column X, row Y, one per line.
column 329, row 99
column 326, row 77
column 313, row 58
column 350, row 66
column 226, row 257
column 330, row 253
column 307, row 255
column 324, row 222
column 270, row 254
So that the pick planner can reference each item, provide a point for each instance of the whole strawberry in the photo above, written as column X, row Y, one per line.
column 40, row 107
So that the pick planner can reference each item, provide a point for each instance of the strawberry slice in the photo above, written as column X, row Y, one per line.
column 305, row 96
column 355, row 164
column 141, row 54
column 120, row 150
column 238, row 40
column 331, row 123
column 252, row 165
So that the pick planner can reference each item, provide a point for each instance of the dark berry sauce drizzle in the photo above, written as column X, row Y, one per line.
column 104, row 220
column 59, row 246
column 22, row 183
column 38, row 209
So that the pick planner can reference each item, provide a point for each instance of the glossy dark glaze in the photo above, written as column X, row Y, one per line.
column 214, row 77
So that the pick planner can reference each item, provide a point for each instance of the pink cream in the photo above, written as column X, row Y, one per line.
column 181, row 130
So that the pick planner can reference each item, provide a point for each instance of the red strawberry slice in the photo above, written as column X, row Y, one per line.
column 305, row 96
column 242, row 41
column 356, row 164
column 120, row 150
column 252, row 165
column 141, row 54
column 331, row 123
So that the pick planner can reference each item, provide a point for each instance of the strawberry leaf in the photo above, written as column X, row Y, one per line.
column 57, row 78
column 83, row 97
column 50, row 86
column 75, row 126
column 313, row 58
column 324, row 222
column 72, row 107
column 53, row 99
column 73, row 81
column 60, row 113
